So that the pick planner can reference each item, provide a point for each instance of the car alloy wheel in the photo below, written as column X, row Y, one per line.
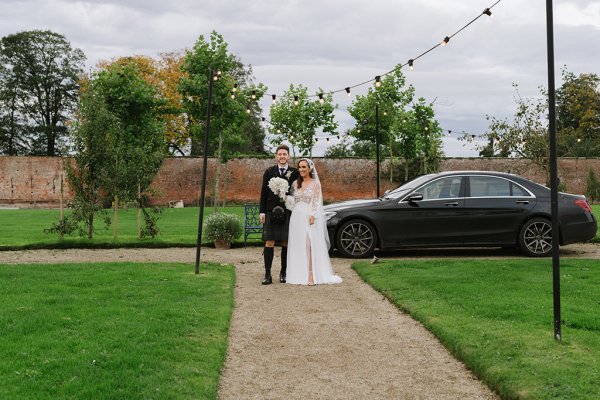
column 535, row 237
column 356, row 239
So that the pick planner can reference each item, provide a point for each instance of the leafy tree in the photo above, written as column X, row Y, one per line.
column 165, row 75
column 526, row 136
column 406, row 129
column 91, row 132
column 13, row 140
column 235, row 113
column 296, row 118
column 341, row 150
column 233, row 127
column 578, row 115
column 41, row 71
column 137, row 148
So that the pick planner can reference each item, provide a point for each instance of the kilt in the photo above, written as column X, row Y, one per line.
column 276, row 231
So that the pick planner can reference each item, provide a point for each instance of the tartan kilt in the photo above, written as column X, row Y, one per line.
column 276, row 231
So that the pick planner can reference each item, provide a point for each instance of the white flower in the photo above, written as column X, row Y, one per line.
column 279, row 186
column 288, row 174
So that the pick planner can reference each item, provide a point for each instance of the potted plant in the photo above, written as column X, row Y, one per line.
column 221, row 228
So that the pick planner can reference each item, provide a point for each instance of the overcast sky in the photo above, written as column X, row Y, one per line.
column 337, row 43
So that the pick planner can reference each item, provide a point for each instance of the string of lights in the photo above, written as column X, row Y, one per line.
column 377, row 81
column 410, row 63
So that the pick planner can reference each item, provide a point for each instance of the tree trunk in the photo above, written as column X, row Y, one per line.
column 225, row 181
column 139, row 208
column 391, row 165
column 218, row 174
column 115, row 207
column 90, row 225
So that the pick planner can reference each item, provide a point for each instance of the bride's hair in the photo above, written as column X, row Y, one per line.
column 312, row 175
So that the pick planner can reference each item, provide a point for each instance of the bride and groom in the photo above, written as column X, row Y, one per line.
column 302, row 232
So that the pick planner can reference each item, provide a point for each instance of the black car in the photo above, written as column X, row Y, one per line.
column 459, row 209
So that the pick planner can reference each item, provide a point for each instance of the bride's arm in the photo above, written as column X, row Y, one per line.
column 315, row 199
column 289, row 199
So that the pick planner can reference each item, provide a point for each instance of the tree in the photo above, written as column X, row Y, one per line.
column 296, row 118
column 13, row 141
column 235, row 114
column 137, row 148
column 92, row 129
column 406, row 129
column 231, row 122
column 42, row 71
column 525, row 137
column 578, row 115
column 165, row 75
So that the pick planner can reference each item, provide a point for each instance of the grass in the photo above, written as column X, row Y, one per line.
column 113, row 330
column 24, row 229
column 497, row 316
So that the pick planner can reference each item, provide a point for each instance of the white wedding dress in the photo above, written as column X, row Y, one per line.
column 306, row 240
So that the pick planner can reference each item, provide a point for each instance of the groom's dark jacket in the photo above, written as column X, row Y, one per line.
column 268, row 199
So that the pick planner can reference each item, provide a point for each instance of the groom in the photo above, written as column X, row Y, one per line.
column 274, row 231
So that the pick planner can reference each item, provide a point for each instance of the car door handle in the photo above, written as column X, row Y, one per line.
column 452, row 203
column 522, row 201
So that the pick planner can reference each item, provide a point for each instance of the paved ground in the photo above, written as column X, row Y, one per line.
column 327, row 342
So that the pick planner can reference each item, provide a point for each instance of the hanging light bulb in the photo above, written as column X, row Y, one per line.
column 327, row 139
column 296, row 102
column 377, row 81
column 578, row 140
column 445, row 41
column 253, row 95
column 316, row 140
column 278, row 130
column 384, row 113
column 338, row 136
column 263, row 119
column 232, row 95
column 488, row 13
column 348, row 91
column 357, row 130
column 449, row 132
column 235, row 86
column 321, row 99
column 248, row 109
column 217, row 76
column 410, row 64
column 274, row 96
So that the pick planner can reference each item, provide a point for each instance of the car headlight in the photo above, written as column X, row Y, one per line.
column 329, row 215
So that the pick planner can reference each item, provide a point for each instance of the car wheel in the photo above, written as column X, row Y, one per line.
column 535, row 237
column 356, row 239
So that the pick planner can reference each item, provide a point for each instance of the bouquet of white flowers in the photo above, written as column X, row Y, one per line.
column 279, row 186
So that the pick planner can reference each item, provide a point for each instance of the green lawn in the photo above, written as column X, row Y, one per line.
column 113, row 330
column 178, row 227
column 497, row 316
column 20, row 229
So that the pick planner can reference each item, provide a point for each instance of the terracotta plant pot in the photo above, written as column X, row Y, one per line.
column 222, row 244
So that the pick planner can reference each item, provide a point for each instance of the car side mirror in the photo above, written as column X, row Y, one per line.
column 414, row 197
column 386, row 192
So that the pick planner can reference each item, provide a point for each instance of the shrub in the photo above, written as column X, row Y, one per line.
column 222, row 226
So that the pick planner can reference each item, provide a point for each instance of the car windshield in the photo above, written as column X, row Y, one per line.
column 407, row 187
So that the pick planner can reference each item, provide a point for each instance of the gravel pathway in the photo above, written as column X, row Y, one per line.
column 341, row 341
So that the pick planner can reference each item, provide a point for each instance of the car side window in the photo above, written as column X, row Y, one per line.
column 444, row 188
column 490, row 186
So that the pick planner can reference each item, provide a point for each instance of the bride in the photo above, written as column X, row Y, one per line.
column 308, row 243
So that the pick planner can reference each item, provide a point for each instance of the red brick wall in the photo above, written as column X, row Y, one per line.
column 35, row 181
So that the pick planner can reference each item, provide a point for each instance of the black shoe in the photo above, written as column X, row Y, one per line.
column 282, row 278
column 268, row 280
